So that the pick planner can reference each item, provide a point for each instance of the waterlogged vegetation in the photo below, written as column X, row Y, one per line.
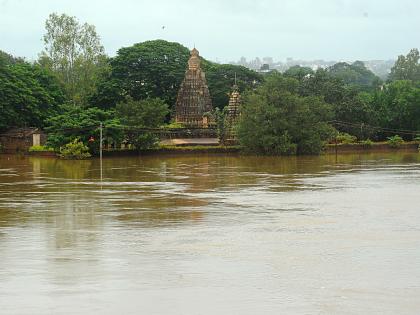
column 40, row 148
column 74, row 87
column 75, row 150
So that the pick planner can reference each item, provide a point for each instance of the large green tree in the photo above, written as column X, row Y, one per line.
column 145, row 70
column 353, row 110
column 77, row 122
column 221, row 78
column 406, row 67
column 398, row 107
column 355, row 75
column 276, row 120
column 73, row 51
column 28, row 94
column 298, row 72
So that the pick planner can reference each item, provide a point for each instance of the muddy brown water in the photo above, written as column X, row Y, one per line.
column 211, row 234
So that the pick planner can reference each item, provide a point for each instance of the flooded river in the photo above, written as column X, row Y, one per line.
column 211, row 235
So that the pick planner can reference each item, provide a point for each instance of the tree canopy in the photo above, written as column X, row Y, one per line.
column 73, row 51
column 406, row 67
column 276, row 120
column 221, row 78
column 355, row 75
column 145, row 70
column 28, row 95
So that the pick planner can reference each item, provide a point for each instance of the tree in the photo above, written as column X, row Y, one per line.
column 145, row 70
column 406, row 67
column 148, row 113
column 355, row 75
column 28, row 94
column 76, row 122
column 352, row 106
column 276, row 120
column 322, row 84
column 221, row 78
column 298, row 72
column 7, row 59
column 222, row 124
column 398, row 106
column 74, row 52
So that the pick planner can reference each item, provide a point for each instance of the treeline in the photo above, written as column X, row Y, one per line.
column 74, row 86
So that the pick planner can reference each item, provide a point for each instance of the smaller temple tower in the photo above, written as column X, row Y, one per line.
column 233, row 113
column 193, row 102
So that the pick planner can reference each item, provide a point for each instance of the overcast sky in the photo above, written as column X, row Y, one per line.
column 225, row 30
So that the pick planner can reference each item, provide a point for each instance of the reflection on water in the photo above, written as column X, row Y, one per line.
column 211, row 234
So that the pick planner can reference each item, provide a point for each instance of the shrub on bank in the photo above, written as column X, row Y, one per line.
column 395, row 141
column 76, row 150
column 367, row 143
column 40, row 148
column 345, row 138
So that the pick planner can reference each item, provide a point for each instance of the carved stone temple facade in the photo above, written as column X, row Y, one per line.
column 233, row 112
column 194, row 102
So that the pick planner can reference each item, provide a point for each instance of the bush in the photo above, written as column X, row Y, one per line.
column 345, row 138
column 40, row 148
column 395, row 141
column 174, row 125
column 145, row 141
column 367, row 143
column 75, row 150
column 417, row 138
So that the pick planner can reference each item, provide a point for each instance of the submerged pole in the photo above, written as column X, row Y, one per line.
column 100, row 147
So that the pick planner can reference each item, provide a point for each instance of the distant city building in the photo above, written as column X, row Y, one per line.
column 379, row 67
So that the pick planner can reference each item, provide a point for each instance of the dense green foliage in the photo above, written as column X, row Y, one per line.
column 81, row 123
column 75, row 150
column 40, row 148
column 276, row 120
column 345, row 138
column 28, row 94
column 395, row 141
column 398, row 105
column 148, row 113
column 145, row 70
column 406, row 67
column 355, row 75
column 298, row 72
column 221, row 78
column 222, row 125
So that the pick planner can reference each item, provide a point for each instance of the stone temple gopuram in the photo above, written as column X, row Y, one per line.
column 194, row 102
column 233, row 112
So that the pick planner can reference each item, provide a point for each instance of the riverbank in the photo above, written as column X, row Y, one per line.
column 373, row 147
column 209, row 149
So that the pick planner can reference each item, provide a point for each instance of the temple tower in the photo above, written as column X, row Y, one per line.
column 233, row 112
column 194, row 101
